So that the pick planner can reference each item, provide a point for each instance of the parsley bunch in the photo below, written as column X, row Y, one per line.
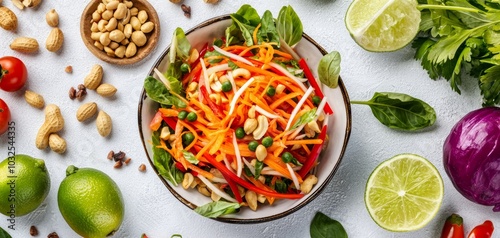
column 458, row 35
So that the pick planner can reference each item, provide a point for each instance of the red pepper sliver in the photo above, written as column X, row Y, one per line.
column 171, row 122
column 180, row 167
column 234, row 188
column 246, row 184
column 314, row 84
column 211, row 104
column 313, row 157
column 155, row 123
column 484, row 230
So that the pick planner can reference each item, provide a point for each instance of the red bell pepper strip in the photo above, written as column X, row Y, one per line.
column 180, row 167
column 484, row 230
column 314, row 84
column 226, row 172
column 171, row 122
column 217, row 110
column 316, row 150
column 234, row 188
column 155, row 123
column 203, row 51
column 453, row 227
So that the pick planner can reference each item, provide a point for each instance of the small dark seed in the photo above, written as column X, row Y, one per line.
column 33, row 231
column 82, row 87
column 142, row 167
column 111, row 154
column 118, row 165
column 81, row 94
column 119, row 156
column 72, row 93
column 127, row 161
column 68, row 69
column 186, row 10
column 53, row 235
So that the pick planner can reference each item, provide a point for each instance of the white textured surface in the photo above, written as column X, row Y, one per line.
column 150, row 208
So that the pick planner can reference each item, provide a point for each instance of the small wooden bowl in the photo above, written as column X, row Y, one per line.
column 142, row 52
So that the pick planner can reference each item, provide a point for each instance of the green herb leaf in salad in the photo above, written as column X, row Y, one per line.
column 400, row 111
column 329, row 69
column 289, row 26
column 164, row 162
column 244, row 22
column 180, row 46
column 305, row 118
column 268, row 32
column 217, row 209
column 190, row 157
column 323, row 226
column 157, row 91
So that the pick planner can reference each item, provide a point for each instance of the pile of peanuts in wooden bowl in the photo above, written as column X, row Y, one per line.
column 120, row 31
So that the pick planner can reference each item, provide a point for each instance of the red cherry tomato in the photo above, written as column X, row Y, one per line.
column 4, row 117
column 13, row 73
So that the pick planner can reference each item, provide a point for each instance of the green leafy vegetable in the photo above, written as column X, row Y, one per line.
column 164, row 162
column 400, row 111
column 259, row 165
column 305, row 118
column 180, row 46
column 159, row 93
column 323, row 226
column 267, row 31
column 190, row 157
column 217, row 209
column 244, row 22
column 289, row 26
column 461, row 36
column 329, row 69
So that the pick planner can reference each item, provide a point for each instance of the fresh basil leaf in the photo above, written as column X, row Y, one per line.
column 400, row 111
column 217, row 209
column 246, row 30
column 190, row 157
column 174, row 70
column 329, row 69
column 323, row 226
column 164, row 162
column 180, row 47
column 159, row 93
column 250, row 15
column 305, row 118
column 232, row 65
column 267, row 31
column 289, row 26
column 213, row 53
column 259, row 165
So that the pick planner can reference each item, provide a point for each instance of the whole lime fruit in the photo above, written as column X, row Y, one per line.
column 90, row 202
column 24, row 184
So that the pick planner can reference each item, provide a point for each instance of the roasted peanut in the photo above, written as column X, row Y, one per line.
column 308, row 183
column 54, row 40
column 106, row 90
column 86, row 111
column 147, row 27
column 57, row 143
column 94, row 78
column 24, row 45
column 261, row 152
column 251, row 198
column 250, row 125
column 54, row 122
column 139, row 38
column 142, row 16
column 52, row 18
column 34, row 99
column 8, row 19
column 131, row 50
column 103, row 123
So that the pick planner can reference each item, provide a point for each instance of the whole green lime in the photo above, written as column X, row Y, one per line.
column 24, row 185
column 90, row 202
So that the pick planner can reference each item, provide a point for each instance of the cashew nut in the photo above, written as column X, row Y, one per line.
column 204, row 191
column 308, row 183
column 214, row 196
column 241, row 73
column 187, row 181
column 261, row 129
column 54, row 122
column 165, row 133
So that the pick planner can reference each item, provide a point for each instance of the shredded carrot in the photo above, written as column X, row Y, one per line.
column 255, row 33
column 166, row 112
column 304, row 142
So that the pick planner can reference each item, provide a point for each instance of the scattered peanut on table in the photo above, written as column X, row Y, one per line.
column 54, row 40
column 54, row 122
column 34, row 99
column 8, row 20
column 103, row 123
column 25, row 45
column 52, row 18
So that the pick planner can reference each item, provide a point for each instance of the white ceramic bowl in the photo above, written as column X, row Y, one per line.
column 338, row 131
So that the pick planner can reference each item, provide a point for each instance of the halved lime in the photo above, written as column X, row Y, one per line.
column 404, row 193
column 383, row 25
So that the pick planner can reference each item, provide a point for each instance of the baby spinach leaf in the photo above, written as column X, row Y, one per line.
column 323, row 226
column 305, row 118
column 329, row 69
column 164, row 162
column 180, row 47
column 159, row 93
column 400, row 111
column 289, row 26
column 267, row 31
column 216, row 209
column 245, row 29
column 244, row 22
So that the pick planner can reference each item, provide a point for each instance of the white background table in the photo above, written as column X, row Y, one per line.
column 150, row 208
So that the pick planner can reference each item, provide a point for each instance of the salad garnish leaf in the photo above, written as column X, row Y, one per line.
column 190, row 157
column 164, row 162
column 329, row 69
column 159, row 93
column 217, row 209
column 323, row 226
column 267, row 32
column 259, row 165
column 244, row 22
column 289, row 26
column 400, row 111
column 305, row 118
column 180, row 47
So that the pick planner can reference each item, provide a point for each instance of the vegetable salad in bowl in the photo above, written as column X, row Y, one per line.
column 241, row 119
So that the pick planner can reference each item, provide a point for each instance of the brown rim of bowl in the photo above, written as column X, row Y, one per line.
column 142, row 52
column 262, row 219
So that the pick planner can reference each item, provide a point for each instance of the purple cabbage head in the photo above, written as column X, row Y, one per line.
column 471, row 156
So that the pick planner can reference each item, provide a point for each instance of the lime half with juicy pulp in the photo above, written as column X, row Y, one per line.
column 404, row 193
column 383, row 25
